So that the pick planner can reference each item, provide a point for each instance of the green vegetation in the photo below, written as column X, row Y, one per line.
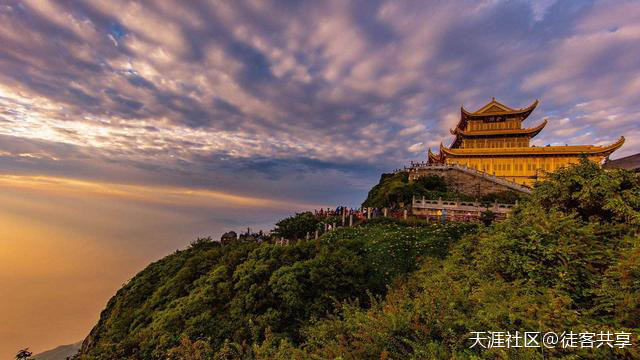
column 503, row 197
column 567, row 259
column 297, row 226
column 395, row 189
column 213, row 299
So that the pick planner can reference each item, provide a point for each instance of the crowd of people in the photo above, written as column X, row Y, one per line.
column 361, row 213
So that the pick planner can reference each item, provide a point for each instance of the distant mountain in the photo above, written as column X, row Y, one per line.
column 59, row 353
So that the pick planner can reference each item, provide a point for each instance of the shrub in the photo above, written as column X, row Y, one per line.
column 297, row 226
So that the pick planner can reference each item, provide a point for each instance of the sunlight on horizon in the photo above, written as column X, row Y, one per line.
column 67, row 245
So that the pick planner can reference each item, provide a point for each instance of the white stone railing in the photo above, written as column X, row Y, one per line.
column 466, row 206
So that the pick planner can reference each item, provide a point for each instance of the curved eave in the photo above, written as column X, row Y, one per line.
column 546, row 150
column 433, row 158
column 430, row 155
column 531, row 132
column 607, row 150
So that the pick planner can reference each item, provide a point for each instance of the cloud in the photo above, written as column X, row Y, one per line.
column 283, row 92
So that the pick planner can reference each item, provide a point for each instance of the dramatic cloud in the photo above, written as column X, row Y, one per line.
column 245, row 96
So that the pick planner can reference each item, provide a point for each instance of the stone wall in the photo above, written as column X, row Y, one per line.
column 469, row 181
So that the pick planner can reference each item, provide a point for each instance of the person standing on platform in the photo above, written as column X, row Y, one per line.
column 444, row 216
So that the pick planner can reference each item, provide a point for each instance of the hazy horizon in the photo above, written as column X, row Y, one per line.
column 130, row 128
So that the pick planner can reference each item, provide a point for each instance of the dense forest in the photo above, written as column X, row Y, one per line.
column 567, row 259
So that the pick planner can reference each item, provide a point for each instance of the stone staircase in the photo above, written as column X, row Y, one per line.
column 416, row 168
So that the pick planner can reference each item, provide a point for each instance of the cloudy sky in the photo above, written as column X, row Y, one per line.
column 128, row 128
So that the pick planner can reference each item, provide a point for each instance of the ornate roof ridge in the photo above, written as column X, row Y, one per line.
column 506, row 109
column 465, row 114
column 527, row 131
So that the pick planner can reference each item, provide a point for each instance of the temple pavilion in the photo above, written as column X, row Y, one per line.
column 493, row 140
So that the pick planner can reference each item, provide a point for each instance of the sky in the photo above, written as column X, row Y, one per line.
column 130, row 128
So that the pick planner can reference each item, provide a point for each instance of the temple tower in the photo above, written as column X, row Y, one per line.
column 492, row 139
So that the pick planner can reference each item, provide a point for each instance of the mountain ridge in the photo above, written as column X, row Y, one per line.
column 61, row 352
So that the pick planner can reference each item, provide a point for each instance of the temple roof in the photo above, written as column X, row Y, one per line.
column 433, row 158
column 494, row 107
column 530, row 131
column 537, row 150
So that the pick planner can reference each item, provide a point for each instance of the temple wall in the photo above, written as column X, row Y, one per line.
column 464, row 182
column 486, row 143
column 523, row 170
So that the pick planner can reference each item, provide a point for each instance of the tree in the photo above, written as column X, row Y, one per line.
column 487, row 217
column 189, row 350
column 24, row 354
column 592, row 193
column 297, row 226
column 433, row 183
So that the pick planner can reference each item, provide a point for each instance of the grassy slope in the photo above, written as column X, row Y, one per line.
column 237, row 292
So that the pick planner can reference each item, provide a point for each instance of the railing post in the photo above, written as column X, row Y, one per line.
column 350, row 220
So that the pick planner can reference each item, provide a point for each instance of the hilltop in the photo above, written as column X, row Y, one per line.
column 59, row 353
column 567, row 259
column 395, row 190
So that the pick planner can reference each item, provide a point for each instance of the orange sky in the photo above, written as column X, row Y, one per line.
column 66, row 246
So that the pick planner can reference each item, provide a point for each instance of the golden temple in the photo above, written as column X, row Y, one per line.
column 493, row 140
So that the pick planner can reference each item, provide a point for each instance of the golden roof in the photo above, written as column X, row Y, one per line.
column 494, row 107
column 530, row 131
column 536, row 150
